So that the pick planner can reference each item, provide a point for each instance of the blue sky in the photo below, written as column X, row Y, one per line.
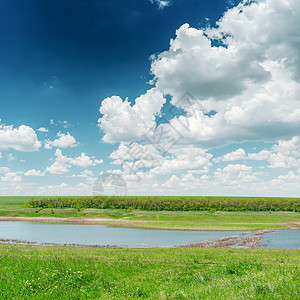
column 63, row 61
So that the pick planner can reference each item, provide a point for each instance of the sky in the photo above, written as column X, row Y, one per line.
column 168, row 97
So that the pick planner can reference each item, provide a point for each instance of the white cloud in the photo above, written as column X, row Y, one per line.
column 22, row 139
column 247, row 70
column 285, row 154
column 63, row 163
column 251, row 82
column 12, row 177
column 4, row 169
column 238, row 154
column 262, row 155
column 172, row 182
column 250, row 78
column 11, row 157
column 57, row 168
column 65, row 189
column 135, row 152
column 84, row 161
column 148, row 161
column 233, row 177
column 192, row 64
column 63, row 141
column 188, row 158
column 234, row 174
column 115, row 172
column 42, row 129
column 34, row 172
column 0, row 155
column 161, row 3
column 122, row 122
column 84, row 174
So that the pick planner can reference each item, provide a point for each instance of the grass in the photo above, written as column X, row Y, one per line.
column 36, row 272
column 47, row 272
column 14, row 207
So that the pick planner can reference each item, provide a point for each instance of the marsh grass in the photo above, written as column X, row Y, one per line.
column 36, row 272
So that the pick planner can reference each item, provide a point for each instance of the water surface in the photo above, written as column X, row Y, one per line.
column 103, row 235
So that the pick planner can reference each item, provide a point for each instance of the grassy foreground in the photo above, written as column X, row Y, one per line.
column 37, row 272
column 12, row 207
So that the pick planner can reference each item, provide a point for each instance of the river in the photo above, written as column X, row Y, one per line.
column 40, row 233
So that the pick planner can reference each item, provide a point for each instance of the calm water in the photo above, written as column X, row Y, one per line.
column 102, row 235
column 282, row 239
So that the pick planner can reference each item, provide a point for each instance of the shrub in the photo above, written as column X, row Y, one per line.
column 158, row 203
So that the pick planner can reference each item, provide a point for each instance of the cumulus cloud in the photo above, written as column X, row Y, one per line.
column 250, row 80
column 172, row 182
column 12, row 177
column 238, row 154
column 122, row 122
column 63, row 163
column 192, row 64
column 234, row 174
column 262, row 155
column 135, row 152
column 22, row 138
column 243, row 74
column 4, row 169
column 183, row 159
column 34, row 172
column 42, row 129
column 146, row 162
column 84, row 161
column 232, row 177
column 285, row 154
column 63, row 141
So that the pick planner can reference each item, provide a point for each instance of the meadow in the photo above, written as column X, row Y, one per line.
column 14, row 207
column 102, row 273
column 56, row 272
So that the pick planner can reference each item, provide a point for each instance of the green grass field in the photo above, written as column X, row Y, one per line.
column 47, row 272
column 14, row 207
column 37, row 272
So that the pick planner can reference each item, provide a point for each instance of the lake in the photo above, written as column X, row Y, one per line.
column 132, row 238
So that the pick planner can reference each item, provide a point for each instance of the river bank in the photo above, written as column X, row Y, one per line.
column 146, row 224
column 220, row 221
column 13, row 209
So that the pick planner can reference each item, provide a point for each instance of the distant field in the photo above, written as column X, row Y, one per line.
column 171, row 203
column 13, row 207
column 16, row 199
column 36, row 272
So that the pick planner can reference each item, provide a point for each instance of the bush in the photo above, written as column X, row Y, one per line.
column 158, row 203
